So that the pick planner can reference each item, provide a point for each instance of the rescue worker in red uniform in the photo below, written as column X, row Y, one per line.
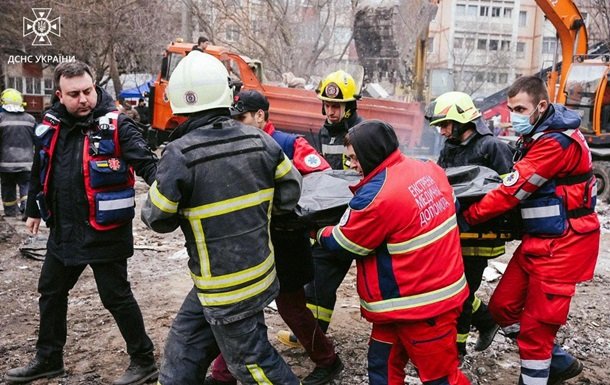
column 339, row 94
column 82, row 186
column 554, row 187
column 292, row 252
column 220, row 181
column 470, row 142
column 401, row 228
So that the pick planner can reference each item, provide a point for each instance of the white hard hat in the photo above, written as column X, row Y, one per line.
column 200, row 82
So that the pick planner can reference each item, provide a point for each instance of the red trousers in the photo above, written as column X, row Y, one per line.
column 533, row 307
column 429, row 344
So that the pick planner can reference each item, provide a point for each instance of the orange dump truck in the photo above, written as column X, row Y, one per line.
column 294, row 110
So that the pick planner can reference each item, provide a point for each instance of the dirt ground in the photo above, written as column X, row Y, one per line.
column 95, row 352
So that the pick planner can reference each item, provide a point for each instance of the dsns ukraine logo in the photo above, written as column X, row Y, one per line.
column 41, row 26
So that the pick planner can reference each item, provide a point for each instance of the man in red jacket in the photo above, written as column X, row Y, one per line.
column 553, row 185
column 401, row 229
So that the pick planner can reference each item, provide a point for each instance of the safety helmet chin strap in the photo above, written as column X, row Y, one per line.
column 457, row 131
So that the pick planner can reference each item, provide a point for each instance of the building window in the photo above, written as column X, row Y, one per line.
column 471, row 11
column 458, row 42
column 502, row 78
column 232, row 32
column 508, row 13
column 460, row 10
column 469, row 42
column 496, row 11
column 505, row 45
column 480, row 77
column 520, row 49
column 491, row 77
column 493, row 45
column 32, row 86
column 548, row 45
column 48, row 87
column 484, row 10
column 16, row 83
column 522, row 18
column 430, row 44
column 482, row 44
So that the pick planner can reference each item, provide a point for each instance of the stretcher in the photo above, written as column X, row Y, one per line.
column 325, row 195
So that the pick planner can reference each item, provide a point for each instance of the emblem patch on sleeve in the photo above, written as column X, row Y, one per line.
column 313, row 161
column 511, row 179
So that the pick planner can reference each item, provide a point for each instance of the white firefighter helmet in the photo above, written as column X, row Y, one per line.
column 200, row 82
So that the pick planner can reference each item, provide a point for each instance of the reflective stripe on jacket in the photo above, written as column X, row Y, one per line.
column 331, row 139
column 220, row 183
column 16, row 141
column 108, row 180
column 401, row 228
column 549, row 205
column 555, row 190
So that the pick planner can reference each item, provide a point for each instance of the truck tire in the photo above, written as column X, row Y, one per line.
column 601, row 170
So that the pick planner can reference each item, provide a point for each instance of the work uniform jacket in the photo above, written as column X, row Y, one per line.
column 401, row 228
column 16, row 141
column 555, row 189
column 304, row 157
column 331, row 138
column 220, row 182
column 72, row 238
column 480, row 149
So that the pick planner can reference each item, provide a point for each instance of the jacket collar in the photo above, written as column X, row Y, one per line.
column 200, row 119
column 269, row 128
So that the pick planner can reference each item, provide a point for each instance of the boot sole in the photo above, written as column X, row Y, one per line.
column 148, row 378
column 21, row 380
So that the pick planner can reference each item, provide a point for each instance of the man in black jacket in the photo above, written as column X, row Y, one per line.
column 470, row 142
column 82, row 186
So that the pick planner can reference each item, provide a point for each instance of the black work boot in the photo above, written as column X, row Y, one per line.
column 320, row 376
column 138, row 373
column 37, row 368
column 486, row 337
column 572, row 371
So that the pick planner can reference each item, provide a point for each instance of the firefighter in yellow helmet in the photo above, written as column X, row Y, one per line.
column 470, row 142
column 16, row 151
column 339, row 93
